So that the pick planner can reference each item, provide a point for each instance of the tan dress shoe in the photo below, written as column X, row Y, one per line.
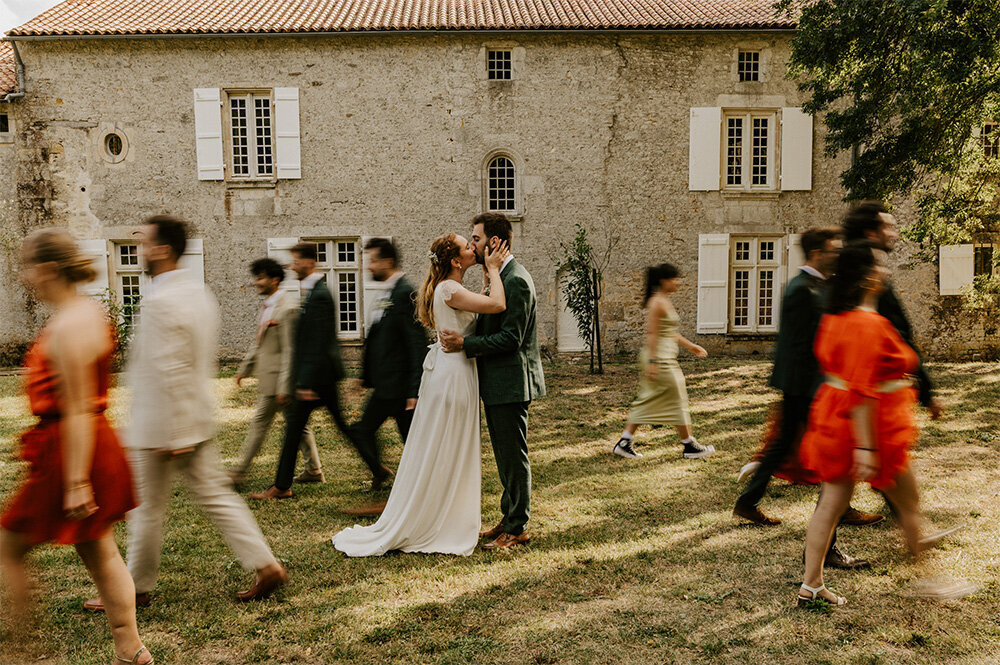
column 854, row 517
column 493, row 533
column 272, row 492
column 95, row 604
column 308, row 476
column 367, row 510
column 268, row 580
column 754, row 514
column 508, row 540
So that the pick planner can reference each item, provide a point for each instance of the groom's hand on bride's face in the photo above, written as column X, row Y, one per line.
column 451, row 341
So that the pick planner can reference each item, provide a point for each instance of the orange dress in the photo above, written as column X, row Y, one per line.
column 36, row 512
column 863, row 356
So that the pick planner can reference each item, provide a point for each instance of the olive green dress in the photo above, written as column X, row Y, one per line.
column 663, row 400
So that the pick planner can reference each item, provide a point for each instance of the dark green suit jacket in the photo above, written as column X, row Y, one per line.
column 395, row 347
column 316, row 359
column 796, row 370
column 506, row 344
column 890, row 307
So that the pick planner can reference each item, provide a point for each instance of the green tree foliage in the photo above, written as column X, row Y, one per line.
column 576, row 267
column 120, row 317
column 907, row 86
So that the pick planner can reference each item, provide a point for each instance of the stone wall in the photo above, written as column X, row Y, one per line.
column 395, row 131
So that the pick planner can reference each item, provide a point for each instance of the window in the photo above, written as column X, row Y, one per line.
column 755, row 283
column 128, row 280
column 749, row 150
column 748, row 65
column 500, row 186
column 251, row 136
column 982, row 261
column 498, row 65
column 990, row 138
column 5, row 134
column 113, row 144
column 340, row 260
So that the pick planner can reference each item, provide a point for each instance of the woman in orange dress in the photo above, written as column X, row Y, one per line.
column 78, row 481
column 861, row 422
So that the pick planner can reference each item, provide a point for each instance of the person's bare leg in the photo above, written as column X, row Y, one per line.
column 117, row 591
column 13, row 551
column 833, row 501
column 684, row 431
column 906, row 498
column 631, row 428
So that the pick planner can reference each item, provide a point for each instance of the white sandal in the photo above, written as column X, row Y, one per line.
column 135, row 658
column 803, row 601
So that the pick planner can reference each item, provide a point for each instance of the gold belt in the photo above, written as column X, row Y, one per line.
column 895, row 385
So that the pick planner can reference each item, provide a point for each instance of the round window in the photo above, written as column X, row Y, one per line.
column 113, row 144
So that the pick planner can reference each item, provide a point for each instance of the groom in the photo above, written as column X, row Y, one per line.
column 505, row 347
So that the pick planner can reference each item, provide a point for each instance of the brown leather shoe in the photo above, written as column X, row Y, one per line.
column 854, row 517
column 272, row 492
column 95, row 604
column 308, row 476
column 753, row 514
column 493, row 533
column 508, row 540
column 378, row 481
column 367, row 510
column 267, row 581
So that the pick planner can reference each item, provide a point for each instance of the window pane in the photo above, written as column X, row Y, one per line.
column 4, row 123
column 130, row 297
column 734, row 151
column 347, row 301
column 765, row 298
column 262, row 126
column 766, row 250
column 501, row 184
column 983, row 261
column 990, row 137
column 748, row 65
column 128, row 255
column 346, row 252
column 741, row 298
column 742, row 250
column 498, row 65
column 321, row 256
column 241, row 145
column 759, row 164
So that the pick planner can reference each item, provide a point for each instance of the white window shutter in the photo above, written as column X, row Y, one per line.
column 287, row 144
column 372, row 290
column 98, row 251
column 193, row 259
column 795, row 256
column 277, row 249
column 208, row 133
column 796, row 150
column 713, row 282
column 956, row 264
column 705, row 149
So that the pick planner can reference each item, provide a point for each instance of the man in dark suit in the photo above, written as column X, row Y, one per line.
column 395, row 347
column 505, row 347
column 316, row 369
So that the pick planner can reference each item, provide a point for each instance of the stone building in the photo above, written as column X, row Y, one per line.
column 666, row 127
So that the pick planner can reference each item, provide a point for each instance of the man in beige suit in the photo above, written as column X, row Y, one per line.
column 270, row 358
column 172, row 418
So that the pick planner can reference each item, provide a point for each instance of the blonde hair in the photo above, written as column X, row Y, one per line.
column 443, row 251
column 58, row 247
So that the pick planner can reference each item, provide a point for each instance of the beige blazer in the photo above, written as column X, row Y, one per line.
column 171, row 364
column 271, row 359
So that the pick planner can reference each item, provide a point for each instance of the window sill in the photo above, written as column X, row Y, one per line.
column 251, row 184
column 751, row 337
column 514, row 217
column 770, row 195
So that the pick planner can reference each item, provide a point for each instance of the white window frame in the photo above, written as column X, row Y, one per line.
column 333, row 268
column 740, row 59
column 995, row 253
column 131, row 270
column 488, row 188
column 989, row 139
column 8, row 136
column 746, row 154
column 755, row 266
column 255, row 148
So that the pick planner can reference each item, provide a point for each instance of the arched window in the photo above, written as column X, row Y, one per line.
column 500, row 185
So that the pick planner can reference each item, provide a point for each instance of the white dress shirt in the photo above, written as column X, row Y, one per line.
column 809, row 270
column 310, row 280
column 382, row 301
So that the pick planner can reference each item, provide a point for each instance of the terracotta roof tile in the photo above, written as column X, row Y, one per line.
column 8, row 69
column 132, row 17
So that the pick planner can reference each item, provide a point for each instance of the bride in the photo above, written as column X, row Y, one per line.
column 434, row 503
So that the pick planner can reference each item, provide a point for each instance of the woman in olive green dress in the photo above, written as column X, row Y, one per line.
column 662, row 396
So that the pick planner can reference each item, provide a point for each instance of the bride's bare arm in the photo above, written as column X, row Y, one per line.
column 479, row 303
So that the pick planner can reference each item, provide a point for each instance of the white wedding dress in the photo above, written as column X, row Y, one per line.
column 434, row 505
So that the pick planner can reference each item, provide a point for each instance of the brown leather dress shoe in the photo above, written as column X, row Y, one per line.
column 508, row 540
column 95, row 604
column 854, row 517
column 367, row 510
column 308, row 476
column 837, row 559
column 753, row 514
column 378, row 481
column 267, row 581
column 272, row 492
column 493, row 533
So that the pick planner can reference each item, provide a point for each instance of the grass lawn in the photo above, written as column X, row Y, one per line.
column 631, row 561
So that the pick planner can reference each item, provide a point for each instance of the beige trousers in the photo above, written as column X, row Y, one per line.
column 210, row 488
column 267, row 408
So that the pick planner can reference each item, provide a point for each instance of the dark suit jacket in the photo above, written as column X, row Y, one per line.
column 890, row 307
column 395, row 347
column 796, row 370
column 506, row 344
column 316, row 359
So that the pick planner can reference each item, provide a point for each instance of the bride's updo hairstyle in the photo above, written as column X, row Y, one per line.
column 58, row 247
column 443, row 251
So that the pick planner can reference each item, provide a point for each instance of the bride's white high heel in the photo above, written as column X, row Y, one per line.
column 803, row 601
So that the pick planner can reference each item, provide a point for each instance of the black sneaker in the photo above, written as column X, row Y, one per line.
column 695, row 450
column 624, row 449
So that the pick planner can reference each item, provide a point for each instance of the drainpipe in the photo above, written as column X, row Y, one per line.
column 20, row 75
